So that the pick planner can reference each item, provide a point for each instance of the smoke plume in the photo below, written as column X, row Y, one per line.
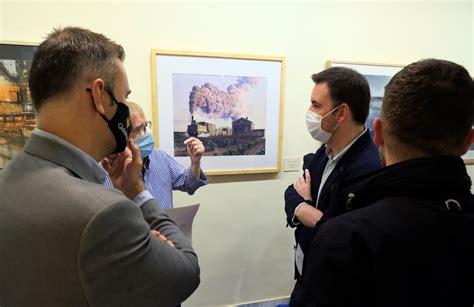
column 216, row 103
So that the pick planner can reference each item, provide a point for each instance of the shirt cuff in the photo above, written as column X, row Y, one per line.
column 295, row 220
column 142, row 198
column 194, row 183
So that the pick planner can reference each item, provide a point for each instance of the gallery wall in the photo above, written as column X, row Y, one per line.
column 245, row 251
column 1, row 14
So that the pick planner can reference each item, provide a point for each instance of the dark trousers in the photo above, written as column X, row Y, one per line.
column 295, row 295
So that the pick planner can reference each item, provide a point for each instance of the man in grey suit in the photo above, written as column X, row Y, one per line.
column 65, row 239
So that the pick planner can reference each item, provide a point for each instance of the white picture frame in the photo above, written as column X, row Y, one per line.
column 378, row 76
column 375, row 74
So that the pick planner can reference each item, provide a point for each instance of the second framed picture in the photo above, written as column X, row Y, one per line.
column 232, row 103
column 378, row 76
column 17, row 117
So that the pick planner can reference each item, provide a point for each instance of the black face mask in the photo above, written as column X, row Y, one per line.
column 119, row 124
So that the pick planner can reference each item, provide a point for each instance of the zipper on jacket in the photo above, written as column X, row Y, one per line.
column 350, row 197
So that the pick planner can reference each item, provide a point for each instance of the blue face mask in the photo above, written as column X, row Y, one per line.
column 146, row 144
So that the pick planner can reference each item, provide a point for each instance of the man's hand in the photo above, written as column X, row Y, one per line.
column 195, row 150
column 111, row 164
column 125, row 170
column 303, row 186
column 157, row 234
column 308, row 215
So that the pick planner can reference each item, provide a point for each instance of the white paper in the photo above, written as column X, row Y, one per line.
column 183, row 218
column 299, row 257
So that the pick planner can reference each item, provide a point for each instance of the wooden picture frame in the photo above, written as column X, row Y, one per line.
column 232, row 102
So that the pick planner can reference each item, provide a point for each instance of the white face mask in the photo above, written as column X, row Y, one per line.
column 313, row 122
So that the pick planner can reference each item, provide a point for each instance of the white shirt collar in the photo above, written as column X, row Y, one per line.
column 344, row 150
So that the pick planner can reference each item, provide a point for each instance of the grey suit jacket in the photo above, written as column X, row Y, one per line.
column 66, row 240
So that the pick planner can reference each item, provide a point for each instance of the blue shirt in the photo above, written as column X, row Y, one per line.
column 164, row 174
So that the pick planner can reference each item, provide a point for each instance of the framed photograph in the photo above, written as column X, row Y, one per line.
column 17, row 117
column 232, row 103
column 469, row 156
column 378, row 76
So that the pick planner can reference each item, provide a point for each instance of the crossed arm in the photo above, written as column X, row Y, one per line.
column 297, row 210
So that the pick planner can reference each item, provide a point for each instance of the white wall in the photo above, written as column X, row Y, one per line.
column 244, row 248
column 1, row 14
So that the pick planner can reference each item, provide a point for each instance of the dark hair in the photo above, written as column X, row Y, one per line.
column 428, row 107
column 347, row 86
column 67, row 56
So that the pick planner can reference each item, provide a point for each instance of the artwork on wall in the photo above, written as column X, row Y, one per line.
column 469, row 156
column 17, row 118
column 232, row 103
column 378, row 76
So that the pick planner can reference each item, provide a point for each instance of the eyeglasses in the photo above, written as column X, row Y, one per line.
column 142, row 129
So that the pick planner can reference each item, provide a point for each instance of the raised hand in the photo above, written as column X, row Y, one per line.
column 125, row 170
column 195, row 150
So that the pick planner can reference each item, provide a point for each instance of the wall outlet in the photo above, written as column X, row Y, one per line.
column 291, row 164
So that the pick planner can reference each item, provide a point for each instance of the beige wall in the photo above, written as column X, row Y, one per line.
column 244, row 248
column 1, row 14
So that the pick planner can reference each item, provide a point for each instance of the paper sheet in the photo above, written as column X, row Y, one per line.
column 299, row 258
column 183, row 218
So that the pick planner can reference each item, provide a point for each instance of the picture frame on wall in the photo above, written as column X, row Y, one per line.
column 469, row 156
column 233, row 103
column 378, row 75
column 17, row 117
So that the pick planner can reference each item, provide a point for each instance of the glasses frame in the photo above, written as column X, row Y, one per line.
column 146, row 127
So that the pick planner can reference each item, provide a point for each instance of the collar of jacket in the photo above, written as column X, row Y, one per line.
column 60, row 154
column 431, row 178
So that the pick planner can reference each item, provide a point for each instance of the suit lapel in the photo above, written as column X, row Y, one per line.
column 317, row 168
column 346, row 161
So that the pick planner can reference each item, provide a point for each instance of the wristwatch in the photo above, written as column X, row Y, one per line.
column 310, row 202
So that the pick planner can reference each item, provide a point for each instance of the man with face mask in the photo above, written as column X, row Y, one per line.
column 336, row 117
column 405, row 238
column 161, row 173
column 66, row 239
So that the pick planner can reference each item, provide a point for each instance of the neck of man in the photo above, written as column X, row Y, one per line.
column 343, row 136
column 66, row 121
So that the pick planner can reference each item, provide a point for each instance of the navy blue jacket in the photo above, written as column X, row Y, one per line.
column 361, row 158
column 405, row 238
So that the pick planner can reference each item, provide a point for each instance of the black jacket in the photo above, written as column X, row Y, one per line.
column 361, row 158
column 405, row 238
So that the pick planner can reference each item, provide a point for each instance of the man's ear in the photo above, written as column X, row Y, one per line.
column 343, row 112
column 98, row 92
column 469, row 141
column 378, row 136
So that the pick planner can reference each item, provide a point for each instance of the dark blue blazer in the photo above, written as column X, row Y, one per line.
column 361, row 158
